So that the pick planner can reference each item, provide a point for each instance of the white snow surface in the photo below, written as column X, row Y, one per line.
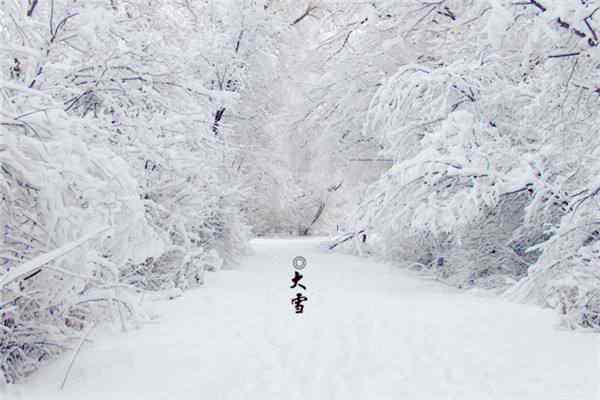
column 369, row 331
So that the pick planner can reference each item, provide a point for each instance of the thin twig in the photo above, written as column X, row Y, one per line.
column 83, row 339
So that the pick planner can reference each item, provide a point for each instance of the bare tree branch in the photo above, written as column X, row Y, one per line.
column 33, row 4
column 309, row 9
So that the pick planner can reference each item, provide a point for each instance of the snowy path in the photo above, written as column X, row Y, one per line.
column 369, row 331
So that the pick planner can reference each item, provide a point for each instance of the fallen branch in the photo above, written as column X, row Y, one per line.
column 31, row 266
column 345, row 238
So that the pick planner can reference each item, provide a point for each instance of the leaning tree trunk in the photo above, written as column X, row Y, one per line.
column 315, row 218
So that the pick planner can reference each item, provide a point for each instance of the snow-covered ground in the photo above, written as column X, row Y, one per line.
column 369, row 331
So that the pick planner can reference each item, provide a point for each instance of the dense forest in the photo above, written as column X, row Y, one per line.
column 144, row 143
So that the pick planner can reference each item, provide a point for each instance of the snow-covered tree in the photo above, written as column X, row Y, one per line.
column 492, row 124
column 115, row 161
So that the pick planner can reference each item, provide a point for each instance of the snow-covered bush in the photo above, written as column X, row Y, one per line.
column 493, row 126
column 112, row 174
column 59, row 193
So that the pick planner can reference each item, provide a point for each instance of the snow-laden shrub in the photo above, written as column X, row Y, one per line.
column 111, row 177
column 566, row 275
column 487, row 252
column 493, row 129
column 151, row 110
column 58, row 193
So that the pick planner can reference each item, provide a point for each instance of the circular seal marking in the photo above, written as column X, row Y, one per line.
column 299, row 262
